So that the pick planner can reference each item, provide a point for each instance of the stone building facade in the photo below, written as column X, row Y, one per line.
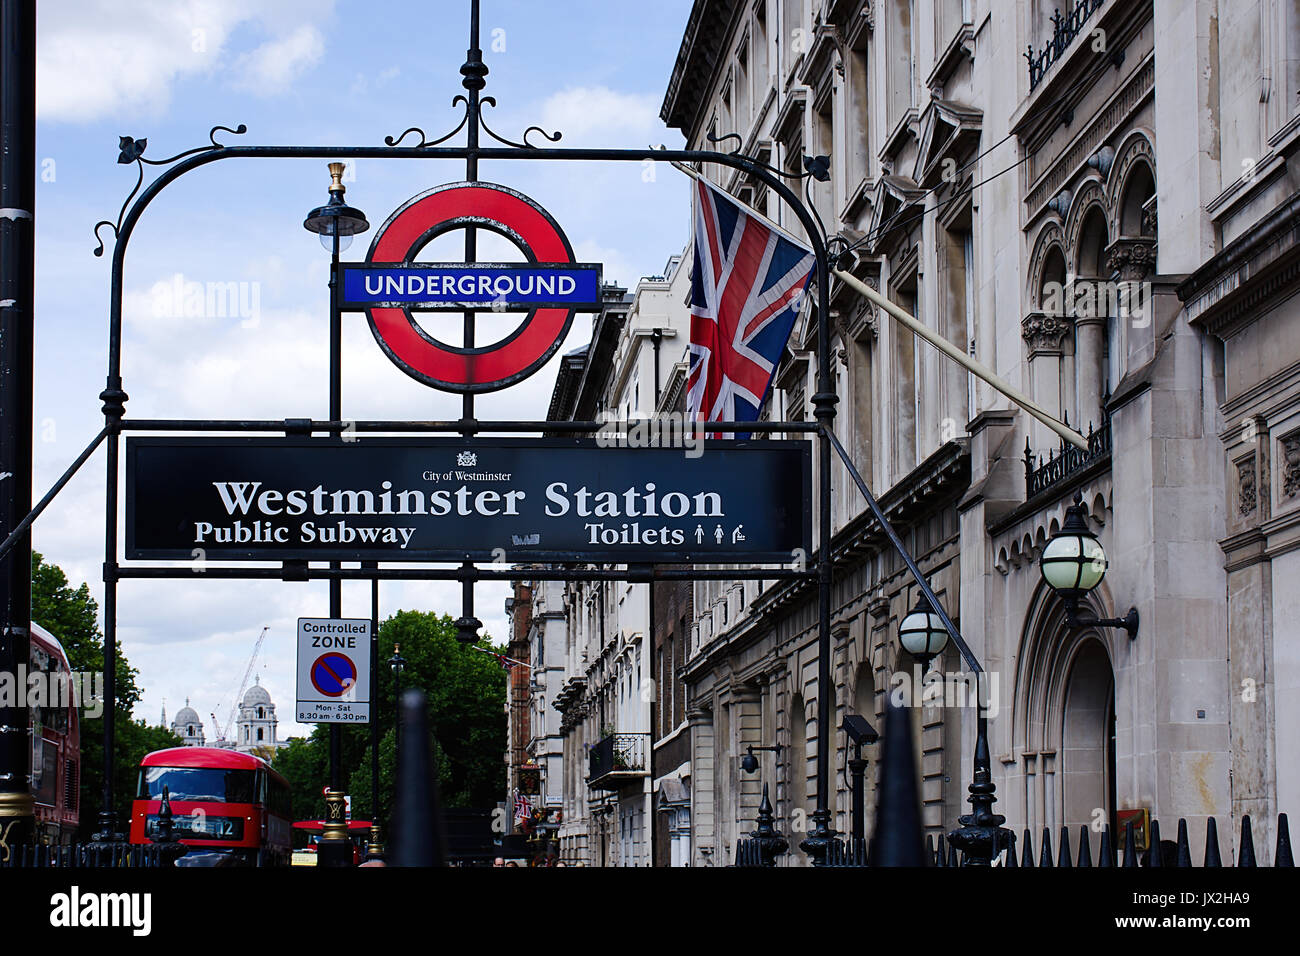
column 1108, row 224
column 1102, row 205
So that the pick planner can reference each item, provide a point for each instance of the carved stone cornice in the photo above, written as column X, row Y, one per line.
column 1132, row 259
column 1045, row 332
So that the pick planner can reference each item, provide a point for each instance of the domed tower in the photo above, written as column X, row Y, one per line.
column 187, row 725
column 256, row 726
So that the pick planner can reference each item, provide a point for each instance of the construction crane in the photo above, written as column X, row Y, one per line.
column 224, row 732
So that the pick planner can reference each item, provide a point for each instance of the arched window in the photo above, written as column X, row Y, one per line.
column 259, row 733
column 261, row 713
column 1098, row 338
column 798, row 764
column 1136, row 211
column 189, row 731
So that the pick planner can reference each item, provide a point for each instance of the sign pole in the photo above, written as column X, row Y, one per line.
column 336, row 414
column 17, row 201
column 374, row 717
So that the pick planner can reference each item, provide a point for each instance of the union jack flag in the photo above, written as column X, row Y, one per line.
column 523, row 809
column 746, row 291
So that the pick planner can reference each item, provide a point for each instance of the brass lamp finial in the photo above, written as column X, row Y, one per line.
column 336, row 178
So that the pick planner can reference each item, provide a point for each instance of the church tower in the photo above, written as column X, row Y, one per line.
column 256, row 726
column 188, row 726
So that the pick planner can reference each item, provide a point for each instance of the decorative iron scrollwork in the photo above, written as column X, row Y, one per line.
column 550, row 137
column 131, row 150
column 424, row 140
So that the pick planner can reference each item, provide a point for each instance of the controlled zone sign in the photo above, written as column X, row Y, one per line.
column 333, row 670
column 453, row 499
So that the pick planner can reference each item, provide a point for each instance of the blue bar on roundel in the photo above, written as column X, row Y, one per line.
column 463, row 286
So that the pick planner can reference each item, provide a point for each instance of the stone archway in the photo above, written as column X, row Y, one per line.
column 1087, row 754
column 1065, row 716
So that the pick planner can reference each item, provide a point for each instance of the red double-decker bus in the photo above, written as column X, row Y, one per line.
column 229, row 808
column 56, row 741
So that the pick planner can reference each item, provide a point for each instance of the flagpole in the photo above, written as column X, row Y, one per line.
column 957, row 355
column 749, row 210
column 943, row 345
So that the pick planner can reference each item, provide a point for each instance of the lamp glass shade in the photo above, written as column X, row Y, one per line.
column 1073, row 562
column 922, row 634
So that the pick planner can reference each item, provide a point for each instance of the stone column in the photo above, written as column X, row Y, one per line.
column 1045, row 333
column 1090, row 368
column 703, row 844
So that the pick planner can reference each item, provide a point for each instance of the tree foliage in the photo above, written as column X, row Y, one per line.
column 466, row 693
column 71, row 615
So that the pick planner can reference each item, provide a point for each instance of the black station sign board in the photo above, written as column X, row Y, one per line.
column 455, row 499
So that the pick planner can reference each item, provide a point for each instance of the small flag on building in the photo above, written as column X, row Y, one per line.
column 746, row 291
column 523, row 809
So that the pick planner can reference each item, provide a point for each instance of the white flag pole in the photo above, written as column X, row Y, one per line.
column 938, row 341
column 957, row 355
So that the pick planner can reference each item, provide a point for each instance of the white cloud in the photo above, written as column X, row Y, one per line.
column 274, row 65
column 598, row 114
column 95, row 59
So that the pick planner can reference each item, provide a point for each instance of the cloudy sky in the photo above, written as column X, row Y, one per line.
column 296, row 72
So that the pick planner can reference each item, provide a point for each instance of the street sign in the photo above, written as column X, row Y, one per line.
column 390, row 284
column 455, row 499
column 333, row 670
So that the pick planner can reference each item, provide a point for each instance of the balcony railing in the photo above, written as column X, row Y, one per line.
column 616, row 760
column 1064, row 29
column 1042, row 472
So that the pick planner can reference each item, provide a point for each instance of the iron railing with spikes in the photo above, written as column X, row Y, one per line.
column 1056, row 465
column 87, row 855
column 1163, row 853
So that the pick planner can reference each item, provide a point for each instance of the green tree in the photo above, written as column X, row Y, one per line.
column 466, row 692
column 70, row 614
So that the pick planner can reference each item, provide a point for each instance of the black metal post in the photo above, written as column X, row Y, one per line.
column 374, row 696
column 817, row 843
column 17, row 316
column 336, row 414
column 473, row 72
column 857, row 772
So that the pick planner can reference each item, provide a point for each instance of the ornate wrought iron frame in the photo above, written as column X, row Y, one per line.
column 982, row 834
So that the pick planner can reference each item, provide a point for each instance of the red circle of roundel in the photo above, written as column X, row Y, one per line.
column 480, row 369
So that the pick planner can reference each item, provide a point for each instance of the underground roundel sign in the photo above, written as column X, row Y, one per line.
column 391, row 286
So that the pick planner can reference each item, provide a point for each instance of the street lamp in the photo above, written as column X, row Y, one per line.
column 860, row 732
column 922, row 633
column 1074, row 563
column 333, row 223
column 397, row 662
column 336, row 220
column 749, row 763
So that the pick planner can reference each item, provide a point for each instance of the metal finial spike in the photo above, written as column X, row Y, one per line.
column 952, row 855
column 1283, row 855
column 1247, row 855
column 1154, row 857
column 1063, row 858
column 1011, row 853
column 1027, row 852
column 1130, row 846
column 1106, row 857
column 1212, row 858
column 1045, row 851
column 1184, row 850
column 1085, row 847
